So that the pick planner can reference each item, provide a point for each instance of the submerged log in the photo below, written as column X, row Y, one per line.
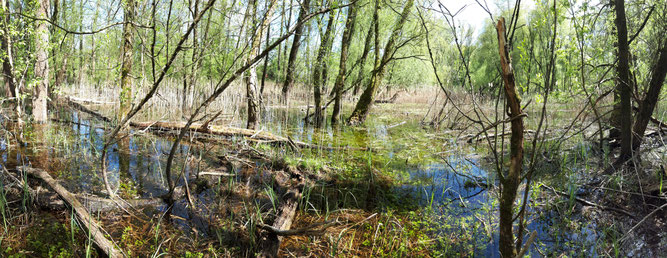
column 256, row 135
column 97, row 204
column 52, row 201
column 87, row 222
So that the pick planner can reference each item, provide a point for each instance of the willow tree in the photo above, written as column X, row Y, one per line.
column 127, row 58
column 39, row 109
column 296, row 43
column 342, row 68
column 367, row 98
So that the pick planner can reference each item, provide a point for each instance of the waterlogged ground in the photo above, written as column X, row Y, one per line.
column 415, row 191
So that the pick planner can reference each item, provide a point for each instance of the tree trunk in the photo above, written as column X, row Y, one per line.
column 647, row 105
column 296, row 42
column 8, row 63
column 624, row 84
column 344, row 52
column 266, row 60
column 250, row 77
column 190, row 79
column 364, row 55
column 510, row 182
column 287, row 26
column 318, row 69
column 368, row 96
column 39, row 109
column 127, row 59
column 54, row 18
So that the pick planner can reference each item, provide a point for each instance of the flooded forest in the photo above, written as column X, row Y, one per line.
column 333, row 128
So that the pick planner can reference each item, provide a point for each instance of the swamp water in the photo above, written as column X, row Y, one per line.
column 458, row 214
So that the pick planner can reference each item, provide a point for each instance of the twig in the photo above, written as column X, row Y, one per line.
column 642, row 221
column 588, row 203
column 308, row 230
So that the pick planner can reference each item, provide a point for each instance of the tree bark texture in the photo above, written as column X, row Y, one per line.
column 39, row 109
column 649, row 102
column 250, row 77
column 127, row 59
column 342, row 68
column 318, row 70
column 296, row 43
column 510, row 182
column 624, row 84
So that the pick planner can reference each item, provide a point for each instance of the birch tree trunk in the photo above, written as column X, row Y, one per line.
column 250, row 76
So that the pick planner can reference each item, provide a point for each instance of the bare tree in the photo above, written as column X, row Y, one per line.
column 511, row 181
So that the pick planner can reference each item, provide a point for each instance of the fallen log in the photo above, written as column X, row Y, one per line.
column 84, row 109
column 87, row 222
column 216, row 173
column 100, row 204
column 91, row 101
column 282, row 223
column 294, row 181
column 389, row 101
column 168, row 127
column 52, row 201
